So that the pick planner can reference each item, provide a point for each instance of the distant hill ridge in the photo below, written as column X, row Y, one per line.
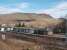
column 41, row 19
column 28, row 14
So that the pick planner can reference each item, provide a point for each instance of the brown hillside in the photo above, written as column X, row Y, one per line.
column 40, row 19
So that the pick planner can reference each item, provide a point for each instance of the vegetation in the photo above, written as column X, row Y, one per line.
column 60, row 28
column 40, row 31
column 23, row 25
column 19, row 25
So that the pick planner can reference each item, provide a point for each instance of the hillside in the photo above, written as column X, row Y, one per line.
column 39, row 19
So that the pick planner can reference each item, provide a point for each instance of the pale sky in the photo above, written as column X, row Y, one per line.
column 55, row 8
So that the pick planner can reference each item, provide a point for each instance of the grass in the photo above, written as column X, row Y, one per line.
column 14, row 44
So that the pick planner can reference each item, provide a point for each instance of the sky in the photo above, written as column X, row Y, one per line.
column 55, row 8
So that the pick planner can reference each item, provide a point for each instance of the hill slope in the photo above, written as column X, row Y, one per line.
column 39, row 19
